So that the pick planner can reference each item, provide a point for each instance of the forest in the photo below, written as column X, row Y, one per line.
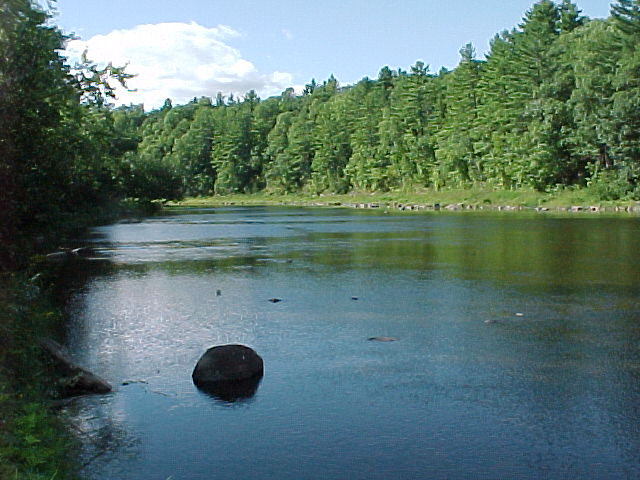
column 554, row 104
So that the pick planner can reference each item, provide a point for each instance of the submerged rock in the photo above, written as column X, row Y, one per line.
column 227, row 364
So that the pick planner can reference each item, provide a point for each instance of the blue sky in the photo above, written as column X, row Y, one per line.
column 198, row 47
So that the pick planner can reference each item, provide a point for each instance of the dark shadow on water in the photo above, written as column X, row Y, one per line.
column 232, row 392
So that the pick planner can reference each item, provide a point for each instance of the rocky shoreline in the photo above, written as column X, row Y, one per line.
column 453, row 207
column 449, row 207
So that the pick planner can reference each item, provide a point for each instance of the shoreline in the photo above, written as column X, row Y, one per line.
column 453, row 201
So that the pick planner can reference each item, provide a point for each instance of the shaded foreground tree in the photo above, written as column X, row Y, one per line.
column 51, row 130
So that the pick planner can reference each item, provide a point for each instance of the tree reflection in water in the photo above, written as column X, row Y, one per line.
column 102, row 436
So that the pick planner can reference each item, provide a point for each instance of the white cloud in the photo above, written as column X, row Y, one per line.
column 178, row 61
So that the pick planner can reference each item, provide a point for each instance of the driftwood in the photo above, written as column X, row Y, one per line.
column 74, row 380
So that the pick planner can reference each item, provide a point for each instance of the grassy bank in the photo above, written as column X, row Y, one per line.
column 34, row 441
column 484, row 198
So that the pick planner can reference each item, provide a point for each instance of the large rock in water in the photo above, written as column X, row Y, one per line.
column 227, row 363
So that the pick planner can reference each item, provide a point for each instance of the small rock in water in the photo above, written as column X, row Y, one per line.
column 382, row 339
column 218, row 293
column 275, row 300
column 129, row 382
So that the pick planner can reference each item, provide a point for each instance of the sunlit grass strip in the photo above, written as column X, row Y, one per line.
column 564, row 198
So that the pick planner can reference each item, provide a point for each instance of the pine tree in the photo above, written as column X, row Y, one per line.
column 498, row 113
column 626, row 15
column 277, row 168
column 570, row 17
column 626, row 99
column 457, row 158
column 332, row 147
column 412, row 105
column 365, row 169
column 193, row 151
column 595, row 58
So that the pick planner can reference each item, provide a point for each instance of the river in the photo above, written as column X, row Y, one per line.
column 517, row 351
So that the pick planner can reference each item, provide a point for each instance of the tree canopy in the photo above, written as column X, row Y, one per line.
column 552, row 104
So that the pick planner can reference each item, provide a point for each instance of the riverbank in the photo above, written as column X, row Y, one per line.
column 34, row 441
column 568, row 200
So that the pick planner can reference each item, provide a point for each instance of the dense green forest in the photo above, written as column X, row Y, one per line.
column 555, row 103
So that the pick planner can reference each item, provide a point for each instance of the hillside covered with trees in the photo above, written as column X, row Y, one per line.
column 555, row 103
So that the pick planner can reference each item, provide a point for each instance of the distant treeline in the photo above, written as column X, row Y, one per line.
column 555, row 103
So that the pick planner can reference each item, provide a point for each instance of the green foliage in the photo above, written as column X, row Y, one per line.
column 555, row 95
column 457, row 155
column 58, row 144
column 613, row 184
column 34, row 443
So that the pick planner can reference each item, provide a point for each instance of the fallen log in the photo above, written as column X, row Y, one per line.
column 74, row 380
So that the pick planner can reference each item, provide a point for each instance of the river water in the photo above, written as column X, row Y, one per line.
column 517, row 351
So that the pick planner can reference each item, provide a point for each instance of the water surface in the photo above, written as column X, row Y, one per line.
column 518, row 351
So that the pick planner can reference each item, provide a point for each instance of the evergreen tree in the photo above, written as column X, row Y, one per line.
column 498, row 112
column 193, row 151
column 366, row 170
column 299, row 151
column 457, row 157
column 332, row 147
column 570, row 17
column 595, row 58
column 264, row 117
column 626, row 99
column 279, row 169
column 412, row 106
column 231, row 151
column 626, row 15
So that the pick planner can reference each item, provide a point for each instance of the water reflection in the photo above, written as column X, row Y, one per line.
column 518, row 356
column 232, row 391
column 103, row 432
